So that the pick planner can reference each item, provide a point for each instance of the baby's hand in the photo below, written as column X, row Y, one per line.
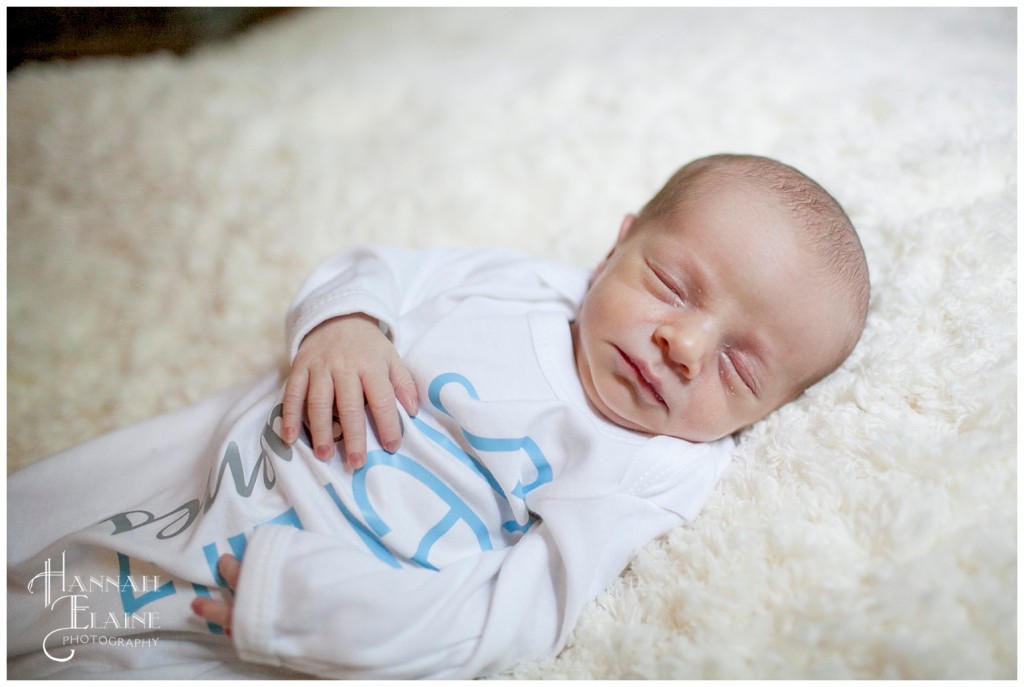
column 347, row 363
column 219, row 612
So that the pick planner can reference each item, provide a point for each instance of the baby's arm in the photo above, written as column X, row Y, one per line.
column 347, row 363
column 339, row 352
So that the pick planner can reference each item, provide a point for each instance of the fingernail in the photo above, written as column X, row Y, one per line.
column 323, row 452
column 356, row 460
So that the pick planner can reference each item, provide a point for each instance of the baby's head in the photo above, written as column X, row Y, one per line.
column 739, row 285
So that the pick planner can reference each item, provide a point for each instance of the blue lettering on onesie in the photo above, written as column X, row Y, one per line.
column 237, row 545
column 371, row 527
column 458, row 510
column 129, row 601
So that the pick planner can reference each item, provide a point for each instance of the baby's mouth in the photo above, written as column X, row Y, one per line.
column 643, row 377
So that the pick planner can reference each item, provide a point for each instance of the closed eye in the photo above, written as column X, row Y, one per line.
column 672, row 291
column 738, row 366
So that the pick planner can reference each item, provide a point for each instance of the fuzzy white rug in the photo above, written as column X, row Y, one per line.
column 163, row 211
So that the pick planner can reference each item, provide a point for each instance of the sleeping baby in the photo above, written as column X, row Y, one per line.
column 469, row 446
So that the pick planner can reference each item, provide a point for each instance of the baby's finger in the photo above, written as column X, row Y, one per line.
column 352, row 417
column 294, row 400
column 211, row 610
column 405, row 388
column 319, row 412
column 383, row 407
column 229, row 568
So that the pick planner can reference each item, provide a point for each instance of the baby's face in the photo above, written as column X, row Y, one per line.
column 703, row 322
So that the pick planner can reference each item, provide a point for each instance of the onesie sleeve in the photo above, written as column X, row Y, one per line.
column 388, row 283
column 306, row 604
column 357, row 280
column 679, row 480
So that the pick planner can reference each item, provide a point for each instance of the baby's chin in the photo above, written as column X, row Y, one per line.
column 700, row 436
column 695, row 433
column 703, row 435
column 692, row 434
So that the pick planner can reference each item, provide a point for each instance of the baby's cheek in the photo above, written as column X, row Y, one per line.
column 706, row 417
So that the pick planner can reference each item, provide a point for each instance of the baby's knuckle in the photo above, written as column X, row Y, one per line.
column 381, row 404
column 349, row 408
column 317, row 404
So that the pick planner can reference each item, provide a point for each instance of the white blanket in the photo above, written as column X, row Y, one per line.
column 162, row 212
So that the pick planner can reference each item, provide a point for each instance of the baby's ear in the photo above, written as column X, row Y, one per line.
column 628, row 222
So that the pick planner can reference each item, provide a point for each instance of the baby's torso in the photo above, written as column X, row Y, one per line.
column 493, row 434
column 502, row 423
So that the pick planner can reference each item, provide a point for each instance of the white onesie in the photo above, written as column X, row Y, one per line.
column 509, row 505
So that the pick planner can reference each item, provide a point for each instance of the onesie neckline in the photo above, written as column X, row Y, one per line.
column 552, row 342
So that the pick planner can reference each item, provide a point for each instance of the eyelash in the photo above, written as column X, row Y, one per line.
column 740, row 370
column 677, row 295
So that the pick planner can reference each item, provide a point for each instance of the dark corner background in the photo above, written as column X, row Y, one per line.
column 67, row 33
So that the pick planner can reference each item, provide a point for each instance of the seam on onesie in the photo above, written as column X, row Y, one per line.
column 254, row 642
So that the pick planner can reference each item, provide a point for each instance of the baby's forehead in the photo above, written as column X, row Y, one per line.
column 726, row 202
column 747, row 233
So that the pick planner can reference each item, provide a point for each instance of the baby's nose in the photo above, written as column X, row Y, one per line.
column 686, row 345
